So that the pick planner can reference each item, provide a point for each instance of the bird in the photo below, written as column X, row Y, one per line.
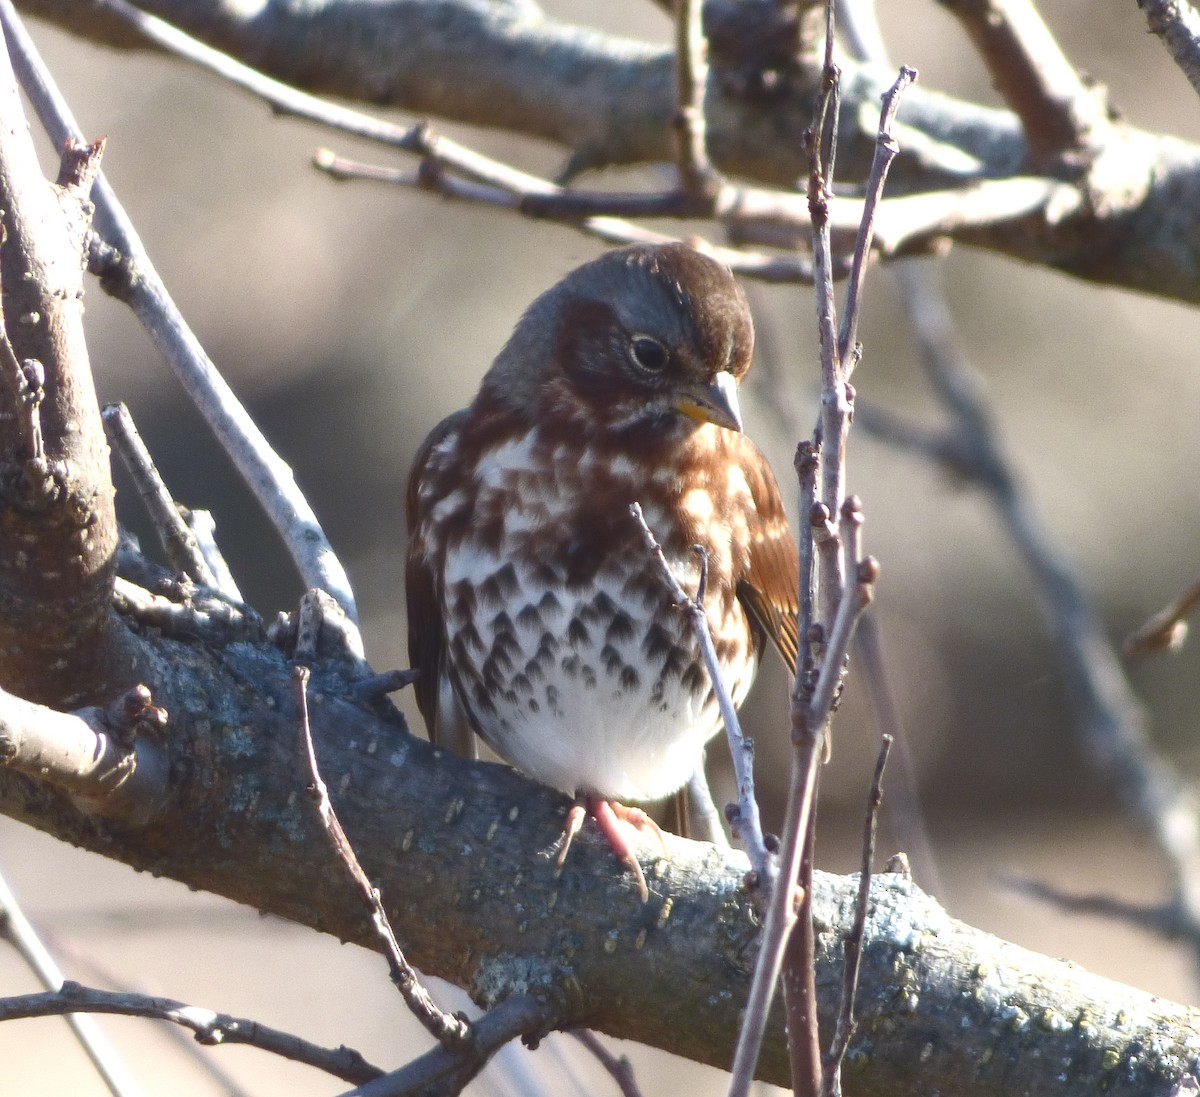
column 537, row 617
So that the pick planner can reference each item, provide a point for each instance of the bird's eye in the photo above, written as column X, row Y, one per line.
column 649, row 353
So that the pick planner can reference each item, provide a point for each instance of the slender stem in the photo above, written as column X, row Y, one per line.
column 95, row 1043
column 745, row 821
column 1178, row 26
column 182, row 548
column 209, row 1027
column 853, row 944
column 449, row 1030
column 886, row 151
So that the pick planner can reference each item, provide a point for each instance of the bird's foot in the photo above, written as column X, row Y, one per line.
column 613, row 819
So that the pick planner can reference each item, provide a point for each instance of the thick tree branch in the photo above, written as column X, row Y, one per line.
column 1132, row 218
column 430, row 828
column 58, row 528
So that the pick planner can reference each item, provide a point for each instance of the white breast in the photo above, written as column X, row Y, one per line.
column 597, row 688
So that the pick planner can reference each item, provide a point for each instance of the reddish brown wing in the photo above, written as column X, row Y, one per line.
column 769, row 592
column 426, row 635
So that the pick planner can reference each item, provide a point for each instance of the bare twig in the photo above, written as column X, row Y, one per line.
column 180, row 544
column 447, row 1029
column 886, row 150
column 853, row 943
column 1168, row 628
column 192, row 617
column 807, row 466
column 210, row 1028
column 809, row 737
column 1157, row 917
column 838, row 604
column 445, row 1071
column 1178, row 25
column 84, row 958
column 904, row 817
column 24, row 938
column 379, row 685
column 127, row 272
column 204, row 529
column 601, row 214
column 618, row 1066
column 745, row 822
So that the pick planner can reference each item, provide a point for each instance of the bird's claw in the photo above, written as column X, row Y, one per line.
column 609, row 817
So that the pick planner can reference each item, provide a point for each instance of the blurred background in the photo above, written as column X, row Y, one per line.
column 351, row 318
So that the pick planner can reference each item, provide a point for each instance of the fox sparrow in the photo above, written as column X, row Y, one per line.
column 536, row 615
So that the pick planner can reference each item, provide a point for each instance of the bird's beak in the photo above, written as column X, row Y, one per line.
column 715, row 403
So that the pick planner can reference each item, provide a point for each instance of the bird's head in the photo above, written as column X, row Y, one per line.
column 649, row 337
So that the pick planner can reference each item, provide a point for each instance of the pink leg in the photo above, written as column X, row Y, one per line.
column 612, row 819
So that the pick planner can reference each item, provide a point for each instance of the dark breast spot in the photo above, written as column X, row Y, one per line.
column 529, row 618
column 577, row 633
column 620, row 628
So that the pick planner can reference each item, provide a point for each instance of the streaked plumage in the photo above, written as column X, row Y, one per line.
column 535, row 612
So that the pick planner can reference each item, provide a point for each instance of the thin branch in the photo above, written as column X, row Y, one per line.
column 85, row 959
column 445, row 1071
column 835, row 401
column 210, row 1028
column 807, row 466
column 886, row 150
column 853, row 944
column 1168, row 628
column 1156, row 917
column 593, row 213
column 744, row 818
column 905, row 819
column 203, row 528
column 809, row 739
column 92, row 1038
column 180, row 544
column 618, row 1066
column 127, row 272
column 447, row 1029
column 1178, row 25
column 187, row 615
